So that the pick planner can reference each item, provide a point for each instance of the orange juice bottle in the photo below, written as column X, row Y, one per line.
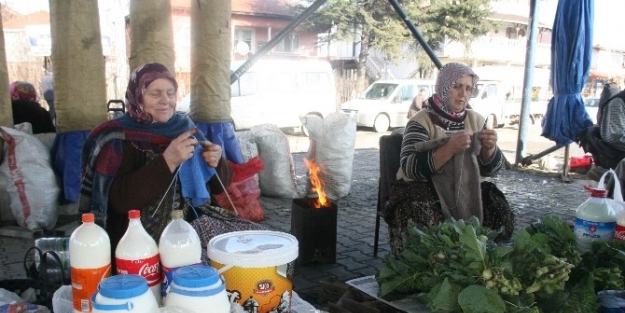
column 90, row 261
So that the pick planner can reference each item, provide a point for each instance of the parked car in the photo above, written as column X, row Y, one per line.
column 385, row 103
column 592, row 106
column 488, row 100
column 537, row 111
column 280, row 92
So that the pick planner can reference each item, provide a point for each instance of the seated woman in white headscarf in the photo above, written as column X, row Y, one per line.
column 446, row 152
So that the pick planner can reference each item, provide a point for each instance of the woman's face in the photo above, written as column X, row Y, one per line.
column 159, row 99
column 461, row 93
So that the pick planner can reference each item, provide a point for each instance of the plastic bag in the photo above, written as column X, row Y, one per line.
column 243, row 191
column 278, row 178
column 31, row 183
column 616, row 202
column 62, row 300
column 332, row 142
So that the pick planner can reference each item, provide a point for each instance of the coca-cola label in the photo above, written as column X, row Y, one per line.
column 150, row 268
column 619, row 234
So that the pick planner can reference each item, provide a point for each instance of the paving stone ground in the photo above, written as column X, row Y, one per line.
column 531, row 193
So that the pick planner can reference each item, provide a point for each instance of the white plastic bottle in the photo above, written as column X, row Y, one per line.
column 619, row 234
column 137, row 253
column 178, row 246
column 90, row 252
column 595, row 220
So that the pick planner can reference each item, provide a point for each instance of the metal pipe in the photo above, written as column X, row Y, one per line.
column 415, row 32
column 528, row 159
column 274, row 41
column 527, row 82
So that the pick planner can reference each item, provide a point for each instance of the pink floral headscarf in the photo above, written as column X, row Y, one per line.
column 140, row 78
column 22, row 91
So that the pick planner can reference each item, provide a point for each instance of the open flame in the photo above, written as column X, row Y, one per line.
column 317, row 183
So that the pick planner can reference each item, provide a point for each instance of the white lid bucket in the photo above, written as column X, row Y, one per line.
column 253, row 248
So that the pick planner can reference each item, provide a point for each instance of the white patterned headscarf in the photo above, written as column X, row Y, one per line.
column 447, row 77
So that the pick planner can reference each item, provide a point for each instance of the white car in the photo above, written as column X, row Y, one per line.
column 592, row 106
column 385, row 103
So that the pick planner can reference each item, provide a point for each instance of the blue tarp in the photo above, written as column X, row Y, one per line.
column 65, row 153
column 571, row 56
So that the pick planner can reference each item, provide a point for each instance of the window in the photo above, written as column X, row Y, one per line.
column 243, row 35
column 406, row 93
column 290, row 43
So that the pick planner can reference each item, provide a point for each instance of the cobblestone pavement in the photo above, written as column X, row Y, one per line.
column 531, row 193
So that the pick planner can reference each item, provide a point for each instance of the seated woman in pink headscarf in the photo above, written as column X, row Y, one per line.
column 155, row 160
column 26, row 108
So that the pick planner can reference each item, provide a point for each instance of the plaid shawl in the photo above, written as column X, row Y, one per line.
column 102, row 154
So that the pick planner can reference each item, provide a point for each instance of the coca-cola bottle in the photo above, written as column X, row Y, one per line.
column 137, row 253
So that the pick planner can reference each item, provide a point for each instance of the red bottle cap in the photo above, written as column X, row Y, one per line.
column 88, row 218
column 134, row 214
column 597, row 192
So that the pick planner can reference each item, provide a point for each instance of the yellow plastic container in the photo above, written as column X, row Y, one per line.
column 257, row 267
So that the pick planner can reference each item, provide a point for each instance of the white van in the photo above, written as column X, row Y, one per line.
column 385, row 103
column 488, row 99
column 280, row 92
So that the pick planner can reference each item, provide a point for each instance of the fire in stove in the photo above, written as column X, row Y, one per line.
column 313, row 223
column 316, row 183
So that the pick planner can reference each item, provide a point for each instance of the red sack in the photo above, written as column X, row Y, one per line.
column 577, row 162
column 244, row 191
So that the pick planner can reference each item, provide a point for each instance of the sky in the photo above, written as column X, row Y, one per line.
column 607, row 16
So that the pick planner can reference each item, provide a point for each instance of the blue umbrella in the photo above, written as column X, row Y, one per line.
column 571, row 54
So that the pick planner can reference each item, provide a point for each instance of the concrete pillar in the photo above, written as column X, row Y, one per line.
column 79, row 74
column 151, row 33
column 210, row 60
column 6, row 112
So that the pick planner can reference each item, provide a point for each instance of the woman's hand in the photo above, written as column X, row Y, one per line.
column 459, row 141
column 211, row 153
column 488, row 138
column 180, row 149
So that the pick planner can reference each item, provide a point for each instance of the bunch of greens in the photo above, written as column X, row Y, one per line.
column 457, row 267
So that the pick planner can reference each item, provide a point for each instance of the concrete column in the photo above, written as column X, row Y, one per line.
column 79, row 74
column 6, row 112
column 151, row 33
column 210, row 60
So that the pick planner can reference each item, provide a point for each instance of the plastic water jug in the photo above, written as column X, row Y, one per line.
column 595, row 220
column 178, row 246
column 124, row 294
column 90, row 252
column 197, row 288
column 137, row 253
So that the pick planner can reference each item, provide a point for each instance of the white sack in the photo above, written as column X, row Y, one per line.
column 332, row 142
column 278, row 177
column 248, row 146
column 30, row 180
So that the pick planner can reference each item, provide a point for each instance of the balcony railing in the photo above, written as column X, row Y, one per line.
column 499, row 50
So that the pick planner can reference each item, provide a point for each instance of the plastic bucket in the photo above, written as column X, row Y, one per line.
column 197, row 287
column 125, row 293
column 258, row 268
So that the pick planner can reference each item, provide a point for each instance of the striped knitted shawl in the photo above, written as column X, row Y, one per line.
column 102, row 154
